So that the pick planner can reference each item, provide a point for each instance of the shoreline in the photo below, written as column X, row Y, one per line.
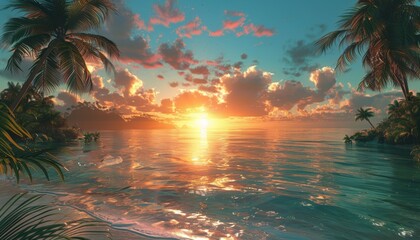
column 117, row 233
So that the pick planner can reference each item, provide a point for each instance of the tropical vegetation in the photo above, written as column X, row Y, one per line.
column 365, row 114
column 18, row 159
column 38, row 115
column 401, row 127
column 386, row 33
column 22, row 218
column 58, row 35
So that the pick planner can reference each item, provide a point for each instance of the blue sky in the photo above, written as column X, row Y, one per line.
column 223, row 55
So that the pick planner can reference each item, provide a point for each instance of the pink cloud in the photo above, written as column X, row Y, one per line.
column 217, row 33
column 192, row 28
column 167, row 14
column 256, row 30
column 232, row 25
column 140, row 24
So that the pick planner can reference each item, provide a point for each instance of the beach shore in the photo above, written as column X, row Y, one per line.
column 67, row 213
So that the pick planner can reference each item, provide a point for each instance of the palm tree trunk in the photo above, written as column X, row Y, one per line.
column 22, row 94
column 403, row 84
column 34, row 71
column 370, row 123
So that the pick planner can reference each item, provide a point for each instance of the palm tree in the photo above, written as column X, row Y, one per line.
column 387, row 31
column 364, row 114
column 57, row 34
column 347, row 139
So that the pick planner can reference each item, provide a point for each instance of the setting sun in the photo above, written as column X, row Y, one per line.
column 202, row 121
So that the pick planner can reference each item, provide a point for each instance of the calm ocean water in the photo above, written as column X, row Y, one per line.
column 243, row 184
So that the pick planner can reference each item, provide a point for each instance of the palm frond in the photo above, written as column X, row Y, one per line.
column 17, row 28
column 88, row 14
column 329, row 39
column 74, row 69
column 32, row 8
column 21, row 217
column 48, row 77
column 28, row 46
column 16, row 158
column 98, row 41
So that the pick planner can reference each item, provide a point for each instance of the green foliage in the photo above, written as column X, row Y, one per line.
column 416, row 153
column 22, row 219
column 403, row 124
column 37, row 115
column 347, row 139
column 90, row 137
column 58, row 34
column 19, row 159
column 386, row 34
column 364, row 114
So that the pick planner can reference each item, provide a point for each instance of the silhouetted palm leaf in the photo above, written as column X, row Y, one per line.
column 19, row 159
column 22, row 219
column 52, row 33
column 386, row 33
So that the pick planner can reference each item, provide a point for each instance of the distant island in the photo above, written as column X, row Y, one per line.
column 88, row 116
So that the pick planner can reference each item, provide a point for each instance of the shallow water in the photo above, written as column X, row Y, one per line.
column 243, row 184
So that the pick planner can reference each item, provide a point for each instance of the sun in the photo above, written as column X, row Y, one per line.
column 202, row 121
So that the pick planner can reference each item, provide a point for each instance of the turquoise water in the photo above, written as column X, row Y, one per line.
column 273, row 183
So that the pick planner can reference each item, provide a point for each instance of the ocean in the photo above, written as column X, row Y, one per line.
column 251, row 183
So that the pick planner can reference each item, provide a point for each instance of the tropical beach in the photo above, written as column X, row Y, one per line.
column 179, row 120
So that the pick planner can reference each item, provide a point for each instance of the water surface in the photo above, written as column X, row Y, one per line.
column 243, row 184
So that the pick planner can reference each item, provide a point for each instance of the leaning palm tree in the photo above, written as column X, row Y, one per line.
column 57, row 34
column 386, row 32
column 364, row 114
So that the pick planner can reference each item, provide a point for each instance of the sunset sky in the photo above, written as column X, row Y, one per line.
column 226, row 58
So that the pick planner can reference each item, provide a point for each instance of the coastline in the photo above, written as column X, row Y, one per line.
column 71, row 212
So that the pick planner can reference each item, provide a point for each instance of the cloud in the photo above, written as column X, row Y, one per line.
column 256, row 30
column 167, row 14
column 246, row 92
column 289, row 94
column 160, row 77
column 323, row 78
column 217, row 33
column 166, row 106
column 65, row 100
column 299, row 56
column 175, row 56
column 192, row 28
column 193, row 100
column 133, row 49
column 234, row 13
column 129, row 96
column 174, row 84
column 127, row 82
column 201, row 70
column 232, row 25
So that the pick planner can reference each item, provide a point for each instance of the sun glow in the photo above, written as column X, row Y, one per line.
column 202, row 121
